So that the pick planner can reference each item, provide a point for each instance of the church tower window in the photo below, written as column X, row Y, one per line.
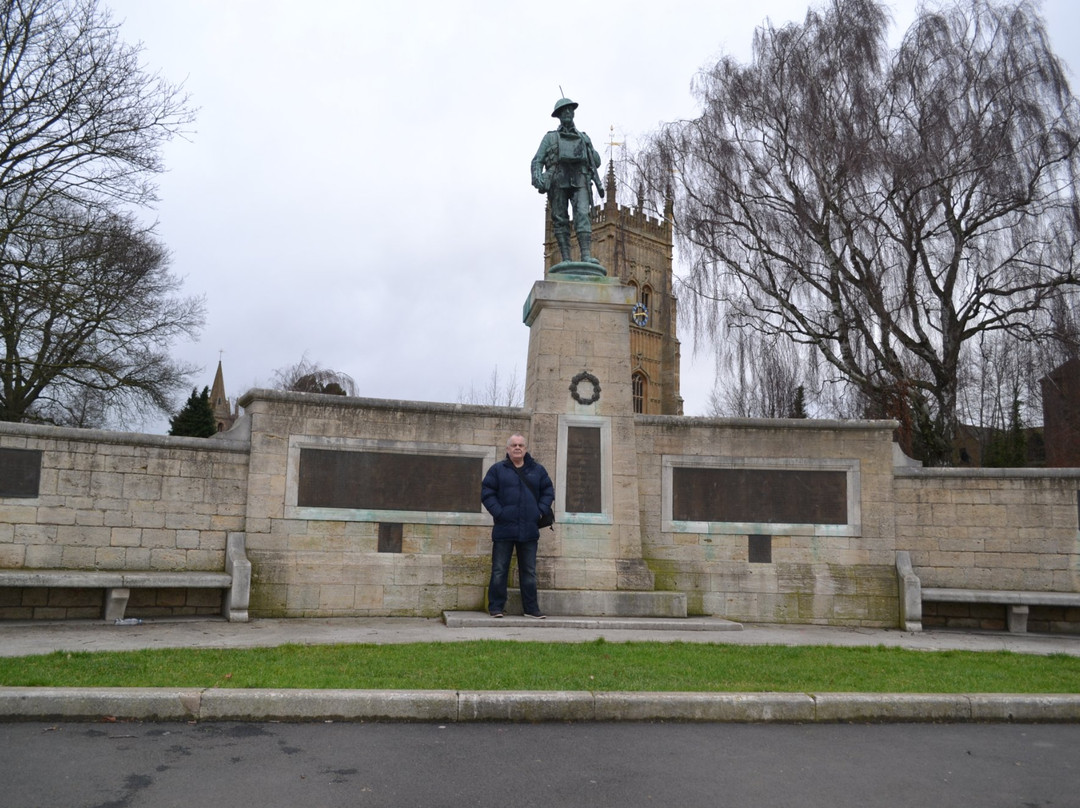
column 640, row 386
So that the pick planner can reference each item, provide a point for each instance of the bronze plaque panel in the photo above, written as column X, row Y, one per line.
column 390, row 537
column 785, row 496
column 387, row 481
column 20, row 472
column 583, row 470
column 759, row 549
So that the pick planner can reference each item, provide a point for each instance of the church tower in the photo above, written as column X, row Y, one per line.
column 223, row 416
column 637, row 249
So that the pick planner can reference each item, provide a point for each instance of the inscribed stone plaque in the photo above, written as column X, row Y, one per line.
column 388, row 481
column 787, row 496
column 20, row 472
column 583, row 478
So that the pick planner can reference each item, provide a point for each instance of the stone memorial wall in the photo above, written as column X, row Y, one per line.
column 992, row 529
column 771, row 521
column 82, row 499
column 732, row 516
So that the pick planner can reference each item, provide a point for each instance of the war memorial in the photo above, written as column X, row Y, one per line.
column 321, row 505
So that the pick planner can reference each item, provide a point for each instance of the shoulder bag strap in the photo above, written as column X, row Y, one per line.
column 524, row 479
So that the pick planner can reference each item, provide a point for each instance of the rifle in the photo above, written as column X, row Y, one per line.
column 596, row 181
column 593, row 173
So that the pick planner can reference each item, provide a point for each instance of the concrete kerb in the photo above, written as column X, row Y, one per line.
column 329, row 705
column 1025, row 708
column 720, row 707
column 892, row 707
column 526, row 706
column 96, row 704
column 165, row 704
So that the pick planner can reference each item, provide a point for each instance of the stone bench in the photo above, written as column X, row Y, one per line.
column 1017, row 603
column 235, row 580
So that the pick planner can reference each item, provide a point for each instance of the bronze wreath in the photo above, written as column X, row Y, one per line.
column 582, row 377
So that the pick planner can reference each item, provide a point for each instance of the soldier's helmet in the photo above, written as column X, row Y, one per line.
column 560, row 104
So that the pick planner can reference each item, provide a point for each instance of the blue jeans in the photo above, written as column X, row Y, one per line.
column 501, row 553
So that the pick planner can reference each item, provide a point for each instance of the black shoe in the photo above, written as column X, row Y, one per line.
column 536, row 615
column 496, row 614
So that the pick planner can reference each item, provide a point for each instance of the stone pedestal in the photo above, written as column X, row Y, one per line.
column 579, row 326
column 578, row 387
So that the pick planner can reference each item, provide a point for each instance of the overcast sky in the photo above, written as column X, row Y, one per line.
column 357, row 187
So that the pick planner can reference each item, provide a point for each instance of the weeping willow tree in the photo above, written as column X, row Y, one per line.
column 884, row 206
column 307, row 376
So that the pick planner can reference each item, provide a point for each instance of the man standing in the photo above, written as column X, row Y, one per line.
column 516, row 492
column 564, row 168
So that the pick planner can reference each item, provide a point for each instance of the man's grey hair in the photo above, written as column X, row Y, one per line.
column 515, row 435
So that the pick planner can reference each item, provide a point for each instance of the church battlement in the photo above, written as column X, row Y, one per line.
column 632, row 217
column 637, row 249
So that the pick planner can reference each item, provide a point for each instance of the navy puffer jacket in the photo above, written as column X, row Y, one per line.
column 511, row 503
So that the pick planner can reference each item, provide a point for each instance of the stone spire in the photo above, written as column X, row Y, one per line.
column 610, row 204
column 219, row 403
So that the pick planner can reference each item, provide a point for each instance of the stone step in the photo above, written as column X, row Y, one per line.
column 603, row 603
column 484, row 620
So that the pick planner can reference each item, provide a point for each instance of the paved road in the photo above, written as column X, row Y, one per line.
column 550, row 765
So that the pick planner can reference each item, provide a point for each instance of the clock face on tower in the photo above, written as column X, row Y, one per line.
column 640, row 315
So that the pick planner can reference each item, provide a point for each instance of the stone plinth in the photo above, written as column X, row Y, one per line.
column 578, row 388
column 600, row 603
column 579, row 326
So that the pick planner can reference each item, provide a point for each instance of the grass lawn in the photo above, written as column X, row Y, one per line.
column 594, row 666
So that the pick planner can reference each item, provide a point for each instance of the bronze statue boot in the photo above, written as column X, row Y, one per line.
column 585, row 243
column 564, row 246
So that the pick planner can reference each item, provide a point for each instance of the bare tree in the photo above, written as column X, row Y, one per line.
column 87, row 308
column 1064, row 327
column 498, row 392
column 307, row 376
column 1001, row 377
column 81, row 119
column 87, row 312
column 761, row 376
column 883, row 207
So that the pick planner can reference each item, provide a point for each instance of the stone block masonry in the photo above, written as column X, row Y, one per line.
column 1003, row 529
column 358, row 558
column 109, row 501
column 769, row 570
column 98, row 501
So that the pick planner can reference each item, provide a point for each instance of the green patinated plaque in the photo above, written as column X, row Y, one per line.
column 390, row 537
column 388, row 481
column 771, row 496
column 583, row 477
column 759, row 548
column 20, row 473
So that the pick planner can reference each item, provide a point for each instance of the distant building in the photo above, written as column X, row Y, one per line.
column 219, row 403
column 968, row 445
column 637, row 249
column 973, row 446
column 1061, row 414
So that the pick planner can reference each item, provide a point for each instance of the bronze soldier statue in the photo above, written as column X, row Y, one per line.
column 565, row 168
